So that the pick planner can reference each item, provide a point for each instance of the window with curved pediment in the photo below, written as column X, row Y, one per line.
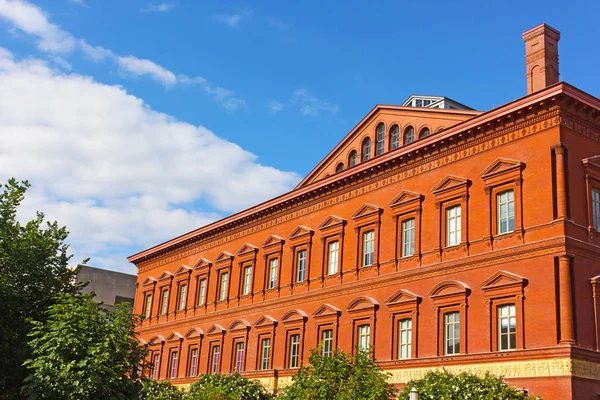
column 293, row 322
column 504, row 299
column 326, row 324
column 238, row 331
column 264, row 328
column 404, row 310
column 450, row 306
column 362, row 312
column 193, row 340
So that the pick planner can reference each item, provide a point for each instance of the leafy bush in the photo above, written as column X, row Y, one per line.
column 226, row 387
column 340, row 377
column 442, row 385
column 159, row 390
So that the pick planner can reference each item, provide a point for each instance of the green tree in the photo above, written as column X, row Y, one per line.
column 442, row 385
column 226, row 387
column 85, row 352
column 340, row 377
column 33, row 270
column 159, row 390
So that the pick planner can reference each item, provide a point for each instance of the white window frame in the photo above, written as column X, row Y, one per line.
column 215, row 359
column 148, row 305
column 273, row 265
column 223, row 286
column 202, row 292
column 364, row 336
column 505, row 202
column 366, row 145
column 333, row 255
column 596, row 208
column 239, row 356
column 193, row 362
column 164, row 306
column 405, row 338
column 294, row 351
column 182, row 296
column 301, row 265
column 368, row 256
column 174, row 360
column 408, row 237
column 507, row 313
column 156, row 366
column 395, row 137
column 265, row 353
column 451, row 336
column 327, row 339
column 247, row 280
column 380, row 147
column 453, row 225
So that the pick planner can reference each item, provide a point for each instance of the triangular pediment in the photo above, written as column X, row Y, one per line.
column 499, row 166
column 246, row 249
column 156, row 339
column 402, row 297
column 449, row 182
column 202, row 263
column 362, row 303
column 174, row 336
column 224, row 256
column 366, row 210
column 194, row 332
column 332, row 221
column 294, row 315
column 184, row 269
column 448, row 288
column 405, row 197
column 501, row 279
column 300, row 231
column 273, row 240
column 215, row 330
column 265, row 320
column 165, row 275
column 239, row 325
column 149, row 281
column 326, row 310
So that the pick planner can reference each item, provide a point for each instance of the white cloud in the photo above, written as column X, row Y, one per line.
column 139, row 67
column 232, row 20
column 61, row 62
column 79, row 3
column 31, row 20
column 275, row 106
column 160, row 7
column 120, row 175
column 310, row 105
column 96, row 53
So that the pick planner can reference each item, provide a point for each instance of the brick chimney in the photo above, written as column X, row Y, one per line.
column 541, row 57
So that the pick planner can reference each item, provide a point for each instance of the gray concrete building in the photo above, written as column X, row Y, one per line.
column 111, row 287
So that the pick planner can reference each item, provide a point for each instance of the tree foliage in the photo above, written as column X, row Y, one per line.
column 442, row 385
column 159, row 390
column 226, row 387
column 33, row 270
column 84, row 351
column 340, row 377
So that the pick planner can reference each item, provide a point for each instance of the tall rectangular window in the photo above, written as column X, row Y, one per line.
column 294, row 351
column 202, row 292
column 273, row 264
column 247, row 280
column 239, row 356
column 453, row 226
column 265, row 353
column 408, row 237
column 301, row 266
column 223, row 288
column 364, row 337
column 193, row 362
column 164, row 302
column 596, row 208
column 156, row 366
column 368, row 248
column 182, row 296
column 506, row 211
column 148, row 306
column 174, row 357
column 452, row 333
column 507, row 327
column 404, row 338
column 214, row 362
column 332, row 259
column 327, row 339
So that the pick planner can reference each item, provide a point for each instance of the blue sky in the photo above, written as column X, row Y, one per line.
column 231, row 103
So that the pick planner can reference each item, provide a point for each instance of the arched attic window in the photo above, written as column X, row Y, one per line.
column 409, row 135
column 380, row 139
column 352, row 158
column 366, row 149
column 394, row 137
column 339, row 167
column 424, row 133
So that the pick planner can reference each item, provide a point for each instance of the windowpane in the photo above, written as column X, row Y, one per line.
column 327, row 338
column 339, row 168
column 224, row 283
column 408, row 237
column 247, row 279
column 452, row 333
column 202, row 292
column 174, row 356
column 596, row 208
column 353, row 158
column 368, row 248
column 380, row 139
column 193, row 362
column 409, row 135
column 424, row 133
column 216, row 354
column 164, row 302
column 182, row 296
column 156, row 366
column 148, row 306
column 265, row 353
column 332, row 261
column 273, row 264
column 294, row 351
column 301, row 266
column 239, row 356
column 453, row 226
column 506, row 212
column 404, row 338
column 507, row 327
column 394, row 139
column 364, row 337
column 366, row 149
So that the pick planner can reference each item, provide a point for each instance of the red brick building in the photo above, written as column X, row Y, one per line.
column 440, row 235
